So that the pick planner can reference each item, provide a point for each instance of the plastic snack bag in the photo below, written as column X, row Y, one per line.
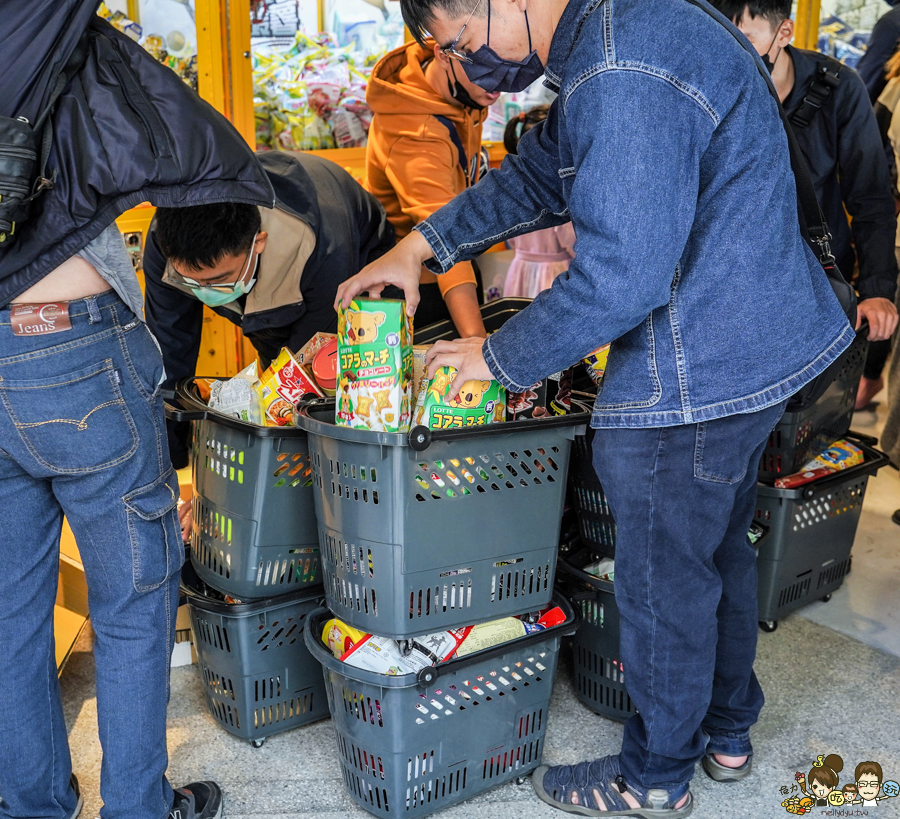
column 840, row 455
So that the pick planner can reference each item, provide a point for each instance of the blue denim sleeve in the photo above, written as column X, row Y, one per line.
column 632, row 202
column 523, row 195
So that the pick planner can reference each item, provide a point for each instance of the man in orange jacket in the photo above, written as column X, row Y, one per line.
column 424, row 148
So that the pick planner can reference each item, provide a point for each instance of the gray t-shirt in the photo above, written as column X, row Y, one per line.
column 108, row 255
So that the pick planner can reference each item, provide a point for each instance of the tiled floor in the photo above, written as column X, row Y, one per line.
column 831, row 674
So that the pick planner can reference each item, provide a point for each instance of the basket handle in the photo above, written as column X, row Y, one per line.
column 420, row 437
column 176, row 411
column 429, row 675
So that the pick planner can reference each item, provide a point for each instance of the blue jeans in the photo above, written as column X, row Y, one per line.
column 82, row 435
column 683, row 498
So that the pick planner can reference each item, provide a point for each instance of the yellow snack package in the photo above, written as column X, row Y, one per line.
column 340, row 638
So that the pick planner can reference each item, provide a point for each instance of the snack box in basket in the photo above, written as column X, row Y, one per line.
column 375, row 366
column 308, row 351
column 477, row 403
column 552, row 396
column 282, row 386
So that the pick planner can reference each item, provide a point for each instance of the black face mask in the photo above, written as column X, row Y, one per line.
column 459, row 93
column 768, row 62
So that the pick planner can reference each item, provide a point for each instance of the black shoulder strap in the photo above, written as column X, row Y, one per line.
column 812, row 220
column 820, row 90
column 454, row 136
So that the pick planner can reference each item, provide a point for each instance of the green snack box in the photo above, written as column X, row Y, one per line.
column 375, row 366
column 478, row 403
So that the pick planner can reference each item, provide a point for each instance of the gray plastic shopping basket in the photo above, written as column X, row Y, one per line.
column 259, row 678
column 438, row 529
column 413, row 744
column 254, row 532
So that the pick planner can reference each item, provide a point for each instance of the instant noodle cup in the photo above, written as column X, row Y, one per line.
column 282, row 386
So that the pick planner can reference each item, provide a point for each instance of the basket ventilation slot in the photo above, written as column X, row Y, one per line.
column 376, row 798
column 293, row 470
column 511, row 584
column 213, row 634
column 364, row 762
column 434, row 790
column 450, row 596
column 224, row 461
column 470, row 475
column 510, row 760
column 282, row 711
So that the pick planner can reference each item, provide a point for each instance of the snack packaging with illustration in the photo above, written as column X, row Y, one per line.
column 840, row 455
column 282, row 386
column 552, row 396
column 595, row 363
column 476, row 404
column 374, row 366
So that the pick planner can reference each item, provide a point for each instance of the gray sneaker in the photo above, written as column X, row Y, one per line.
column 199, row 800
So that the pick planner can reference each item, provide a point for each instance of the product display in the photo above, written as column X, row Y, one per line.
column 310, row 96
column 375, row 366
column 477, row 402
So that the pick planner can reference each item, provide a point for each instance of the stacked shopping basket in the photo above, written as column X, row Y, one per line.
column 803, row 535
column 424, row 533
column 255, row 573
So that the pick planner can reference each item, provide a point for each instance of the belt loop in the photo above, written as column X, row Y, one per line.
column 93, row 311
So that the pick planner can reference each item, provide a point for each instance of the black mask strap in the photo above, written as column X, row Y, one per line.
column 489, row 23
column 528, row 29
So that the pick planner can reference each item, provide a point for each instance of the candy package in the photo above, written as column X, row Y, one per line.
column 840, row 455
column 340, row 638
column 476, row 404
column 552, row 396
column 237, row 397
column 374, row 366
column 282, row 386
column 386, row 656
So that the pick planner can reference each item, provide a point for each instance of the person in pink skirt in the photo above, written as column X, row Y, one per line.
column 542, row 255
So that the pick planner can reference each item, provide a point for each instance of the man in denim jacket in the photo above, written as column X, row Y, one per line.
column 673, row 166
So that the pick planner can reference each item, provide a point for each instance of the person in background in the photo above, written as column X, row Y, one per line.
column 832, row 118
column 890, row 437
column 882, row 43
column 424, row 148
column 542, row 255
column 271, row 271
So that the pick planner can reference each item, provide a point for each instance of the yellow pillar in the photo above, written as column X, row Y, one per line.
column 806, row 26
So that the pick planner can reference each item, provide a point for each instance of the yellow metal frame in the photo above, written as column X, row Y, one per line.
column 806, row 24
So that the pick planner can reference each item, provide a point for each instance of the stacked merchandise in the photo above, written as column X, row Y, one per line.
column 439, row 549
column 175, row 51
column 255, row 573
column 310, row 96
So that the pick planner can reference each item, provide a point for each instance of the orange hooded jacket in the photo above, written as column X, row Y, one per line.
column 412, row 165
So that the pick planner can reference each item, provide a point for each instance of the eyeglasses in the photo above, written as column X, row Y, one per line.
column 224, row 287
column 873, row 784
column 450, row 50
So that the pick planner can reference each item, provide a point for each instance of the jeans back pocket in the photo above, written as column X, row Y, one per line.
column 75, row 423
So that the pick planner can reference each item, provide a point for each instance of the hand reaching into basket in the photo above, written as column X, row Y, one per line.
column 465, row 354
column 400, row 267
column 185, row 520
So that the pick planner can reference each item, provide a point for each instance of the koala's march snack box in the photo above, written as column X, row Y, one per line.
column 478, row 402
column 375, row 366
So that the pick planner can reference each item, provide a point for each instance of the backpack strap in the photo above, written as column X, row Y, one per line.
column 820, row 90
column 454, row 137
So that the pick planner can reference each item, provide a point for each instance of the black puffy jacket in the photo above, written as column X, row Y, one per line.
column 126, row 130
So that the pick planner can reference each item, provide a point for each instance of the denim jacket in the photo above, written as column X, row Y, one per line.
column 673, row 165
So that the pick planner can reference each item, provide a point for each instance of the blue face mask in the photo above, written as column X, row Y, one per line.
column 490, row 71
column 218, row 295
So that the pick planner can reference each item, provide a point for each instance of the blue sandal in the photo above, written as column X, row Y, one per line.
column 556, row 785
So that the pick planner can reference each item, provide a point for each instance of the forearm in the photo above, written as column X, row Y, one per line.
column 462, row 302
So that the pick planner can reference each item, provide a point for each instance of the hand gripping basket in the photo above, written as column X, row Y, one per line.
column 414, row 744
column 438, row 529
column 254, row 532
